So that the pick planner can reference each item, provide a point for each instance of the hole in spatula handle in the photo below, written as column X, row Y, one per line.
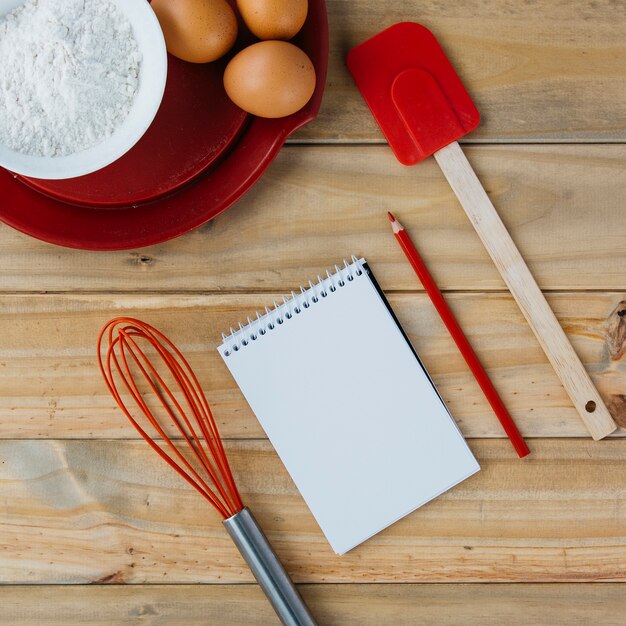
column 590, row 407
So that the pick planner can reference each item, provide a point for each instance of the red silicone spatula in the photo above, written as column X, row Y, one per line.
column 423, row 108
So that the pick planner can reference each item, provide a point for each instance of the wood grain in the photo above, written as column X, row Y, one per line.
column 333, row 605
column 315, row 205
column 50, row 385
column 537, row 71
column 77, row 505
column 110, row 511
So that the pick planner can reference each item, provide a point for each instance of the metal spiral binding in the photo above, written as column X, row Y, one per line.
column 292, row 306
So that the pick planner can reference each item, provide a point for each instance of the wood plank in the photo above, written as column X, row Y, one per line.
column 537, row 71
column 340, row 605
column 50, row 386
column 109, row 511
column 315, row 205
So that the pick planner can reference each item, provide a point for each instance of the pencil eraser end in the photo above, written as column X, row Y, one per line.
column 412, row 90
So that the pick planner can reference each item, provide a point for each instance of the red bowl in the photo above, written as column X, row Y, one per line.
column 199, row 156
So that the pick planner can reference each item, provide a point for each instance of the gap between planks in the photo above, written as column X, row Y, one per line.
column 273, row 292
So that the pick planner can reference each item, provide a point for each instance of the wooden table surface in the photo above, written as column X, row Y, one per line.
column 82, row 501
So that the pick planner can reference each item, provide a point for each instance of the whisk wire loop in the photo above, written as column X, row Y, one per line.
column 195, row 446
column 124, row 359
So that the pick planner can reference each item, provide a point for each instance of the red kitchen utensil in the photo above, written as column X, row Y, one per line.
column 156, row 389
column 200, row 155
column 423, row 108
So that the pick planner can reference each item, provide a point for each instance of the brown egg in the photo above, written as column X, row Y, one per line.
column 270, row 79
column 198, row 31
column 273, row 19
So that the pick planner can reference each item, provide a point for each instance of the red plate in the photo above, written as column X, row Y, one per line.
column 200, row 155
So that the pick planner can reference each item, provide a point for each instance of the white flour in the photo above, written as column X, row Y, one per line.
column 69, row 72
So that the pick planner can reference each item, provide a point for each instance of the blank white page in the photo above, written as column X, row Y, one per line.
column 348, row 407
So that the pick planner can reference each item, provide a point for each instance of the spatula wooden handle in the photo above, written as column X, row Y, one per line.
column 525, row 290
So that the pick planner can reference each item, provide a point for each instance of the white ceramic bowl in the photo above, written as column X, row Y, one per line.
column 153, row 75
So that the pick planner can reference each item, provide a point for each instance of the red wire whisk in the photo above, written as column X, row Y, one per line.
column 158, row 391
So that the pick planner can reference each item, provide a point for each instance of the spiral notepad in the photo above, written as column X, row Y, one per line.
column 348, row 406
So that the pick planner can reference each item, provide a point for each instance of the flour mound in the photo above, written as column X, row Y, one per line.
column 69, row 73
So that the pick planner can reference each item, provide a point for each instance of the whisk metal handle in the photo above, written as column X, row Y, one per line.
column 268, row 570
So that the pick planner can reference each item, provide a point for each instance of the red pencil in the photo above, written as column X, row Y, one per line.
column 459, row 338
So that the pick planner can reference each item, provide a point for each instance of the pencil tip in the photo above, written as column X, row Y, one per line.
column 395, row 224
